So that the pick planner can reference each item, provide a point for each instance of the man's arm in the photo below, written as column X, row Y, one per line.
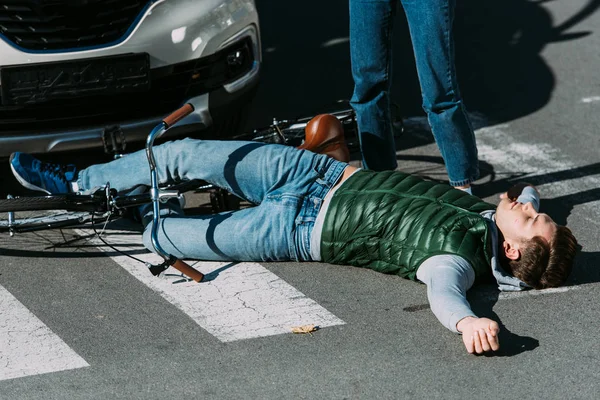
column 448, row 278
column 524, row 192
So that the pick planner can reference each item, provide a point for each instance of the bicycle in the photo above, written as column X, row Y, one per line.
column 105, row 204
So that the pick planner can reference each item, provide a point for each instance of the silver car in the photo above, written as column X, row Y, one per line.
column 80, row 74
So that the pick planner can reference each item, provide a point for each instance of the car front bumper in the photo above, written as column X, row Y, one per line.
column 171, row 32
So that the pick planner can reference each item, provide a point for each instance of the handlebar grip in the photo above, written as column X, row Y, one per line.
column 188, row 270
column 178, row 115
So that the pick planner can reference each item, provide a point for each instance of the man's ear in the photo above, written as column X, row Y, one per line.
column 511, row 250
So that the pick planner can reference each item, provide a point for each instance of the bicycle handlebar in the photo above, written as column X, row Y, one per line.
column 178, row 115
column 184, row 268
column 324, row 134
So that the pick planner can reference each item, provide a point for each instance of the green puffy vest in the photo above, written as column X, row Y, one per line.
column 391, row 222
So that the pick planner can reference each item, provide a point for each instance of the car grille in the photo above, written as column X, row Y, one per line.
column 68, row 24
column 170, row 87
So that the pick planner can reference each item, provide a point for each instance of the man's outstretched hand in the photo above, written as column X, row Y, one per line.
column 479, row 334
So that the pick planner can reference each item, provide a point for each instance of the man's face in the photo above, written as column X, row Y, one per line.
column 519, row 221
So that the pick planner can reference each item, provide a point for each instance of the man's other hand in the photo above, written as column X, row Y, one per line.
column 515, row 191
column 479, row 334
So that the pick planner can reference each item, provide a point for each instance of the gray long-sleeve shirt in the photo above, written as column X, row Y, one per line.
column 448, row 277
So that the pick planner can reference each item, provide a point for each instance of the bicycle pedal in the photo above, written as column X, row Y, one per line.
column 114, row 141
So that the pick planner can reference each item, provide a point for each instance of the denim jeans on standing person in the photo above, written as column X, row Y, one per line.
column 288, row 186
column 430, row 26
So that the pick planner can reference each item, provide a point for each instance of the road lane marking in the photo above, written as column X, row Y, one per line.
column 27, row 345
column 540, row 292
column 556, row 175
column 239, row 300
column 490, row 295
column 553, row 172
column 335, row 42
column 487, row 294
column 591, row 99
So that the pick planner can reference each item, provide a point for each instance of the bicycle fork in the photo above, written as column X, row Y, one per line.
column 157, row 196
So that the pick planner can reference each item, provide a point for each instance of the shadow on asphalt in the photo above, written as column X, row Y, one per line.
column 586, row 269
column 511, row 344
column 306, row 64
column 482, row 300
column 64, row 243
column 211, row 276
column 498, row 45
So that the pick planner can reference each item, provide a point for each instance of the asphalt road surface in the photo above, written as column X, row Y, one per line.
column 82, row 322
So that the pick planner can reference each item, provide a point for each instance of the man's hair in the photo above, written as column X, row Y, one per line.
column 545, row 265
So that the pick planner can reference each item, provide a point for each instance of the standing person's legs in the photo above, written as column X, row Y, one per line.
column 430, row 23
column 371, row 25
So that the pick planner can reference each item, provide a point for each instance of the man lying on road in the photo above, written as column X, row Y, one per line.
column 310, row 207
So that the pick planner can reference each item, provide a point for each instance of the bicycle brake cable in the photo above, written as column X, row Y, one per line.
column 98, row 235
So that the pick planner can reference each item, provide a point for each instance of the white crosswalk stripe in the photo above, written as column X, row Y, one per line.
column 498, row 148
column 238, row 300
column 27, row 345
column 555, row 175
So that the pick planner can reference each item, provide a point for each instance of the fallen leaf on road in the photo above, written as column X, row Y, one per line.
column 304, row 329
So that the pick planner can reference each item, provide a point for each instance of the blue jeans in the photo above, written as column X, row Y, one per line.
column 287, row 185
column 430, row 25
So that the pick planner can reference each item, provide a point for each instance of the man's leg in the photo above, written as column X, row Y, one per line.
column 371, row 24
column 261, row 233
column 289, row 184
column 250, row 170
column 430, row 23
column 282, row 179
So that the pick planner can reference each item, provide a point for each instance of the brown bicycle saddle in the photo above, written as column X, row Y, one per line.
column 324, row 134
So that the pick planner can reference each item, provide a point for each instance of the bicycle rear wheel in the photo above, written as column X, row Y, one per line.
column 48, row 226
column 67, row 202
column 29, row 221
column 27, row 214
